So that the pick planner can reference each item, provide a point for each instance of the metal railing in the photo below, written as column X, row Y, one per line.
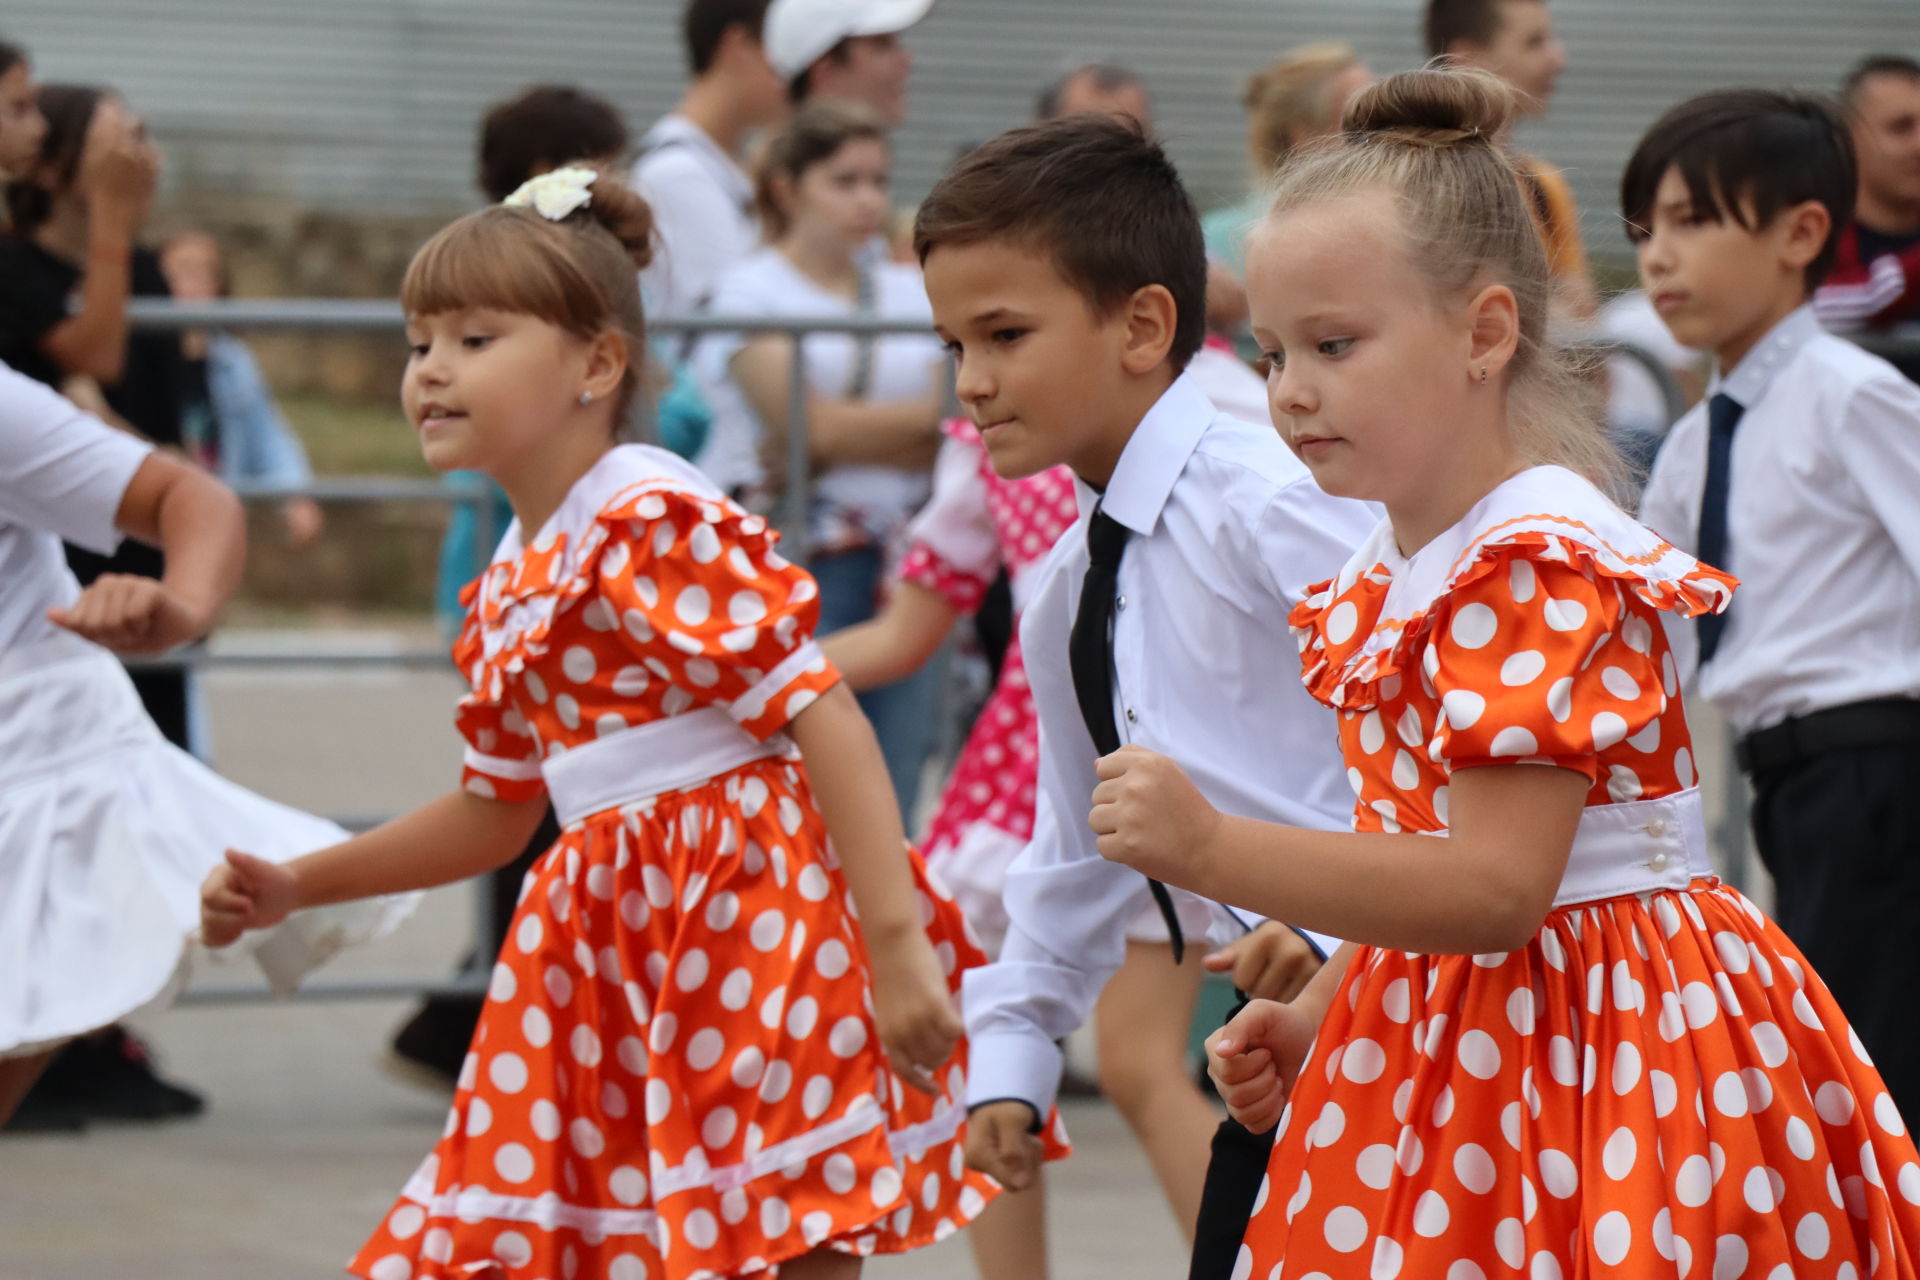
column 386, row 317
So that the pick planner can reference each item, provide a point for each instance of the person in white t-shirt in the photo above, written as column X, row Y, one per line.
column 874, row 405
column 688, row 167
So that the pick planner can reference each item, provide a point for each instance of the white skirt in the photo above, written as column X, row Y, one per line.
column 106, row 833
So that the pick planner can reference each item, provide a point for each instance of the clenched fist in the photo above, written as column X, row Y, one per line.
column 1148, row 815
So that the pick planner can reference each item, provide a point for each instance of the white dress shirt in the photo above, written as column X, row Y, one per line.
column 702, row 214
column 1228, row 531
column 62, row 475
column 1823, row 527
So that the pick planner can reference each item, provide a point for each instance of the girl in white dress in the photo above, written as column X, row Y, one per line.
column 106, row 830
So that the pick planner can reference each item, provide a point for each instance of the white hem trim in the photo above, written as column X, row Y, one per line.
column 549, row 1211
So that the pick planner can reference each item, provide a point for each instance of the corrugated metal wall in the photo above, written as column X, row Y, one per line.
column 370, row 104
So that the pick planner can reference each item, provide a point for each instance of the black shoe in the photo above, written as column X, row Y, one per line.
column 109, row 1075
column 37, row 1115
column 431, row 1048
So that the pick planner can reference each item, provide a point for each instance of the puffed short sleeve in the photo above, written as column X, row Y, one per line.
column 62, row 471
column 707, row 602
column 953, row 549
column 502, row 759
column 1542, row 661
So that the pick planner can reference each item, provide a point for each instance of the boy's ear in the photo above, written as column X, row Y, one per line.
column 1152, row 316
column 1802, row 232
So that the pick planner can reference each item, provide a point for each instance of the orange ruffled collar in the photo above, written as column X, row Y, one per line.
column 1362, row 629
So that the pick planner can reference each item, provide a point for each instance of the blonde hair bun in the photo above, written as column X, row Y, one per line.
column 1433, row 107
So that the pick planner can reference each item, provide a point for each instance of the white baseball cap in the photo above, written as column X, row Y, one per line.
column 797, row 32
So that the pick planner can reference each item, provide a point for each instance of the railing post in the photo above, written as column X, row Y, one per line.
column 799, row 456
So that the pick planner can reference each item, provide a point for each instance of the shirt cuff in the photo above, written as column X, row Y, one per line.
column 1013, row 1064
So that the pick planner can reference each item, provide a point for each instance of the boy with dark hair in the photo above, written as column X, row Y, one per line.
column 1798, row 474
column 544, row 128
column 1067, row 274
column 1514, row 39
column 1875, row 280
column 689, row 167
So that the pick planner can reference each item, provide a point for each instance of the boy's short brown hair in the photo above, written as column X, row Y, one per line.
column 1093, row 195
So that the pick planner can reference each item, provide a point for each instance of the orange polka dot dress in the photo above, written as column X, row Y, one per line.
column 677, row 1073
column 1657, row 1085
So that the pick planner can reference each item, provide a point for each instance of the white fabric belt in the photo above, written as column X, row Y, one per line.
column 651, row 759
column 1642, row 846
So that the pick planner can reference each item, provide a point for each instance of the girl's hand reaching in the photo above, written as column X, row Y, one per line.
column 1255, row 1059
column 243, row 893
column 919, row 1027
column 133, row 615
column 1148, row 815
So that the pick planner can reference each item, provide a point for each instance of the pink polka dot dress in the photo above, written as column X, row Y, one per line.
column 677, row 1073
column 1657, row 1085
column 975, row 525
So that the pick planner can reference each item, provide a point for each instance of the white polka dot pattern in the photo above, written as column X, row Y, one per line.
column 1655, row 1085
column 683, row 987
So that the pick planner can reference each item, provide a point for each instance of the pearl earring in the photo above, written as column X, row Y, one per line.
column 586, row 397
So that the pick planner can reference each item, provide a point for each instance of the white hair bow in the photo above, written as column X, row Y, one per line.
column 555, row 195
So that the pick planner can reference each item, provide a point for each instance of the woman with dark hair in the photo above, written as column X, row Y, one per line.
column 22, row 127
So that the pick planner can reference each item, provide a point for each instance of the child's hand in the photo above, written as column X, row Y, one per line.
column 1270, row 963
column 913, row 1009
column 1255, row 1059
column 243, row 893
column 1148, row 815
column 1001, row 1143
column 132, row 615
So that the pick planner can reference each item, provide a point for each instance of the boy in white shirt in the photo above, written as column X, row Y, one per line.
column 1067, row 275
column 688, row 168
column 1800, row 474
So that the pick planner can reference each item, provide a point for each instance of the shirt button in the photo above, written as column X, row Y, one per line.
column 1132, row 717
column 1120, row 603
column 1658, row 862
column 1657, row 828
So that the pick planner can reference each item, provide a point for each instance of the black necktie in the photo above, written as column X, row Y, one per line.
column 1090, row 654
column 1723, row 415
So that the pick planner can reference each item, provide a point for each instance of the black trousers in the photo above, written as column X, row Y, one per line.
column 1226, row 1203
column 1840, row 832
column 1234, row 1172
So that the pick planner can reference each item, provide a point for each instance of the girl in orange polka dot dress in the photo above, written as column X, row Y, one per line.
column 694, row 1060
column 1557, row 1046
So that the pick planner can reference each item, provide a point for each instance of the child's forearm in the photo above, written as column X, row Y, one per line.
column 203, row 531
column 849, row 779
column 452, row 838
column 906, row 635
column 1317, row 995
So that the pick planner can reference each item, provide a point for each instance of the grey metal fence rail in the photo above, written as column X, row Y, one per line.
column 330, row 315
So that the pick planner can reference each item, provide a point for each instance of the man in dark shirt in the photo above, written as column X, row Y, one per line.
column 1875, row 281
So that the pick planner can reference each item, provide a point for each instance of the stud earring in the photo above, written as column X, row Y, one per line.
column 1483, row 377
column 586, row 397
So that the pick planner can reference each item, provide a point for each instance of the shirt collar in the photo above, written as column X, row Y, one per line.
column 1749, row 380
column 1153, row 458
